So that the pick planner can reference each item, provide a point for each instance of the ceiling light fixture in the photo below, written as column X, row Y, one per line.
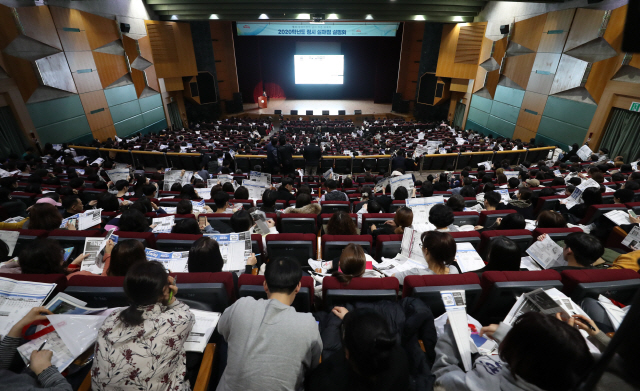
column 419, row 17
column 263, row 16
column 458, row 19
column 304, row 16
column 214, row 16
column 174, row 17
column 332, row 17
column 369, row 17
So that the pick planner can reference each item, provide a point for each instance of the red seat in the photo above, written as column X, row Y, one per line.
column 359, row 289
column 472, row 237
column 596, row 211
column 300, row 247
column 548, row 203
column 522, row 237
column 427, row 288
column 466, row 218
column 250, row 285
column 26, row 237
column 59, row 279
column 618, row 284
column 334, row 206
column 388, row 246
column 246, row 204
column 489, row 217
column 374, row 218
column 395, row 205
column 148, row 239
column 298, row 223
column 556, row 233
column 332, row 245
column 175, row 242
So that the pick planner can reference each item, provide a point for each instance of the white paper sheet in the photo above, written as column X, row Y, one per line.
column 546, row 253
column 235, row 249
column 10, row 238
column 468, row 258
column 204, row 326
column 633, row 238
column 62, row 356
column 17, row 298
column 174, row 262
column 164, row 224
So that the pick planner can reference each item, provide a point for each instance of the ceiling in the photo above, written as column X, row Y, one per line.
column 349, row 10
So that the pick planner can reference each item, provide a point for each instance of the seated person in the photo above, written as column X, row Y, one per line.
column 192, row 227
column 439, row 251
column 590, row 196
column 522, row 204
column 628, row 260
column 456, row 203
column 132, row 220
column 44, row 215
column 508, row 222
column 43, row 256
column 269, row 198
column 551, row 219
column 580, row 251
column 13, row 207
column 151, row 333
column 341, row 223
column 442, row 217
column 285, row 189
column 241, row 193
column 503, row 255
column 402, row 219
column 119, row 258
column 332, row 193
column 304, row 205
column 256, row 331
column 205, row 256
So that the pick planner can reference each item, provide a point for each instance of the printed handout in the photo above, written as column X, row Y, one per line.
column 235, row 249
column 17, row 298
column 546, row 253
column 175, row 261
column 164, row 224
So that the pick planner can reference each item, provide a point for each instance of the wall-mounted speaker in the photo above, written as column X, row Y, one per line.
column 630, row 41
column 194, row 89
column 357, row 112
column 279, row 112
column 294, row 112
column 309, row 112
column 504, row 29
column 342, row 112
column 439, row 90
column 325, row 112
column 125, row 27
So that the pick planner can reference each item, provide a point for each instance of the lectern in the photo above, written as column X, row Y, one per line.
column 262, row 102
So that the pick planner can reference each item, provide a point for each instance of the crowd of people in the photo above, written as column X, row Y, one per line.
column 362, row 346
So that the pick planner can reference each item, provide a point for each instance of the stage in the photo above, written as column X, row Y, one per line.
column 367, row 107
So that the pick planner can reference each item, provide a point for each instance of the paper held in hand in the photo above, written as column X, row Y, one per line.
column 173, row 262
column 468, row 258
column 398, row 264
column 632, row 240
column 546, row 253
column 619, row 217
column 94, row 263
column 403, row 180
column 17, row 298
column 204, row 326
column 455, row 305
column 235, row 249
column 121, row 174
column 10, row 238
column 164, row 224
column 584, row 153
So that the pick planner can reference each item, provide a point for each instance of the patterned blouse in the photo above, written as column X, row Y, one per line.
column 149, row 356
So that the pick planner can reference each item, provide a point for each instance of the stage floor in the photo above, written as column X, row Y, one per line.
column 367, row 107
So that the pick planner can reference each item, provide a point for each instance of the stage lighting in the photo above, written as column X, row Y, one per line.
column 332, row 17
column 304, row 16
column 419, row 17
column 214, row 16
column 174, row 17
column 369, row 17
column 263, row 16
column 458, row 19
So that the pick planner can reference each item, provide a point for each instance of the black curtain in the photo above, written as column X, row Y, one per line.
column 12, row 140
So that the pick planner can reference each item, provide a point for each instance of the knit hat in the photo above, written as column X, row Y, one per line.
column 533, row 182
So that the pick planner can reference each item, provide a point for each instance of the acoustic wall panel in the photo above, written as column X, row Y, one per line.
column 150, row 103
column 469, row 43
column 125, row 110
column 561, row 132
column 523, row 134
column 518, row 68
column 478, row 116
column 587, row 25
column 555, row 31
column 510, row 96
column 504, row 111
column 153, row 116
column 527, row 32
column 96, row 109
column 118, row 95
column 500, row 126
column 481, row 103
column 575, row 113
column 45, row 113
column 129, row 126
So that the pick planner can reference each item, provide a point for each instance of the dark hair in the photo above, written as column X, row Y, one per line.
column 456, row 203
column 353, row 263
column 44, row 216
column 513, row 182
column 221, row 199
column 125, row 254
column 286, row 182
column 188, row 192
column 133, row 221
column 503, row 255
column 227, row 187
column 269, row 198
column 184, row 207
column 341, row 224
column 525, row 193
column 144, row 285
column 551, row 219
column 241, row 221
column 108, row 202
column 283, row 275
column 205, row 256
column 303, row 200
column 586, row 248
column 42, row 256
column 76, row 183
column 493, row 198
column 441, row 216
column 592, row 196
column 186, row 226
column 373, row 206
column 539, row 341
column 148, row 190
column 176, row 187
column 331, row 184
column 121, row 184
column 370, row 343
column 624, row 195
column 241, row 193
column 400, row 194
column 441, row 246
column 69, row 201
column 512, row 221
column 426, row 189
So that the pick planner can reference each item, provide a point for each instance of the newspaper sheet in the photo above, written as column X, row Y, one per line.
column 17, row 298
column 118, row 174
column 403, row 180
column 202, row 330
column 422, row 206
column 235, row 249
column 260, row 177
column 381, row 185
column 256, row 189
column 164, row 224
column 225, row 178
column 633, row 238
column 94, row 263
column 10, row 238
column 512, row 174
column 62, row 356
column 410, row 246
column 175, row 261
column 614, row 313
column 539, row 300
column 546, row 253
column 619, row 217
column 89, row 219
column 204, row 193
column 576, row 197
column 487, row 165
column 260, row 218
column 455, row 306
column 468, row 258
column 69, row 305
column 398, row 264
column 584, row 153
column 529, row 264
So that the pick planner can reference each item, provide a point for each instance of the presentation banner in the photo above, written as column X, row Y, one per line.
column 317, row 30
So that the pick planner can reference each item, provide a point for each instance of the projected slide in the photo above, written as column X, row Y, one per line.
column 319, row 69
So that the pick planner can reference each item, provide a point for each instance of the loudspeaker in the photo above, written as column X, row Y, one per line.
column 630, row 42
column 294, row 112
column 309, row 112
column 194, row 89
column 125, row 27
column 342, row 112
column 439, row 90
column 279, row 112
column 357, row 112
column 504, row 29
column 325, row 112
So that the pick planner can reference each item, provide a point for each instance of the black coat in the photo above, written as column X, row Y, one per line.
column 312, row 155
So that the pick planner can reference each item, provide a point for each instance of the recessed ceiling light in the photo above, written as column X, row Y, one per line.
column 458, row 19
column 304, row 16
column 332, row 16
column 214, row 16
column 263, row 16
column 369, row 17
column 419, row 17
column 174, row 17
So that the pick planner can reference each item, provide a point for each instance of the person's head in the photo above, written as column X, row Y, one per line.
column 176, row 187
column 632, row 185
column 441, row 216
column 541, row 343
column 439, row 249
column 73, row 204
column 188, row 192
column 427, row 189
column 282, row 140
column 525, row 194
column 148, row 190
column 125, row 254
column 43, row 256
column 347, row 183
column 186, row 226
column 76, row 183
column 44, row 216
column 400, row 194
column 492, row 200
column 33, row 188
column 303, row 200
column 352, row 263
column 221, row 199
column 503, row 255
column 282, row 277
column 145, row 284
column 622, row 196
column 341, row 224
column 108, row 202
column 241, row 193
column 513, row 183
column 551, row 219
column 205, row 256
column 228, row 187
column 456, row 203
column 403, row 219
column 592, row 196
column 241, row 221
column 373, row 206
column 367, row 342
column 512, row 221
column 133, row 220
column 582, row 249
column 184, row 207
column 331, row 185
column 287, row 183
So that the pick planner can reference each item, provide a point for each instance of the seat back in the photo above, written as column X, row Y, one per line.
column 374, row 218
column 522, row 237
column 617, row 284
column 334, row 206
column 73, row 239
column 175, row 242
column 300, row 247
column 596, row 211
column 332, row 245
column 548, row 203
column 26, row 238
column 388, row 246
column 148, row 239
column 488, row 217
column 427, row 288
column 359, row 289
column 98, row 291
column 555, row 233
column 298, row 223
column 325, row 217
column 472, row 237
column 250, row 285
column 466, row 218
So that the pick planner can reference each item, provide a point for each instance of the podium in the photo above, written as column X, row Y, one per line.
column 262, row 102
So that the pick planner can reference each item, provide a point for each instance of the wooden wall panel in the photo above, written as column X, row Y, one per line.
column 100, row 31
column 531, row 110
column 523, row 134
column 138, row 81
column 446, row 57
column 528, row 32
column 173, row 84
column 518, row 68
column 585, row 27
column 104, row 133
column 96, row 102
column 38, row 24
column 23, row 74
column 65, row 19
column 493, row 78
column 479, row 81
column 130, row 48
column 110, row 67
column 172, row 48
column 409, row 70
column 152, row 79
column 485, row 52
column 8, row 28
column 459, row 85
column 556, row 30
column 540, row 83
column 145, row 48
column 615, row 92
column 225, row 56
column 469, row 44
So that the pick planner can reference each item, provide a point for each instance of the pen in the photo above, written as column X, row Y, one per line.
column 39, row 349
column 175, row 282
column 586, row 324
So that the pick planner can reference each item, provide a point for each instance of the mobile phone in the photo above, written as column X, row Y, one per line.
column 633, row 214
column 202, row 220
